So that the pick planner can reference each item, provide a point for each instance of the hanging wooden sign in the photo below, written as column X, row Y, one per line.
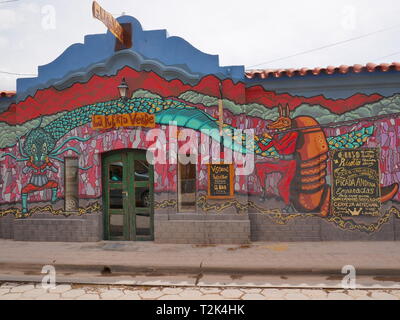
column 136, row 119
column 220, row 181
column 112, row 24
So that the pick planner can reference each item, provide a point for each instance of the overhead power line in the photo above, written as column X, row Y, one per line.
column 326, row 46
column 18, row 74
column 6, row 1
column 387, row 56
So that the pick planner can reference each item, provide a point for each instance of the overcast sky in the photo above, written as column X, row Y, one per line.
column 245, row 32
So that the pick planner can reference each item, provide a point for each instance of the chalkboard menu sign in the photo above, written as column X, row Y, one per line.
column 356, row 188
column 220, row 181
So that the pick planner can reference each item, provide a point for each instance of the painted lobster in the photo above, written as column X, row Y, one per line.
column 302, row 142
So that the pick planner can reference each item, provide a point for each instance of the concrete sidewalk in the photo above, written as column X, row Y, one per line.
column 369, row 258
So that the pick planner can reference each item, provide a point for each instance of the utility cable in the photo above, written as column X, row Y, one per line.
column 326, row 46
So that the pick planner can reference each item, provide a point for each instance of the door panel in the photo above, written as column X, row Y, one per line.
column 114, row 202
column 116, row 226
column 143, row 225
column 116, row 198
column 128, row 196
column 143, row 196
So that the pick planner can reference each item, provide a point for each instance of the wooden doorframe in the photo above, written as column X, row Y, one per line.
column 128, row 184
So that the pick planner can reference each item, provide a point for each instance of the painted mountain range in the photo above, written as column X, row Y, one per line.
column 49, row 101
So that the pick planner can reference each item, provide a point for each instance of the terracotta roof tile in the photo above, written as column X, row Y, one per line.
column 343, row 69
column 7, row 94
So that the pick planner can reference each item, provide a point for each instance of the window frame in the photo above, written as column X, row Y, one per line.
column 180, row 208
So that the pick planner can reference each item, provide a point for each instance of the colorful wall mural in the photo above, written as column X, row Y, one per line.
column 51, row 119
column 293, row 138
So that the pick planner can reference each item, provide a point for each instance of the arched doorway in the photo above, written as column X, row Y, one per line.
column 128, row 197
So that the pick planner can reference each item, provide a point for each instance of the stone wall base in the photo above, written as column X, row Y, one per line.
column 7, row 227
column 309, row 229
column 202, row 229
column 43, row 227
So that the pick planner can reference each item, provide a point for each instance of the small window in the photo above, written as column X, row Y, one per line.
column 141, row 170
column 115, row 172
column 71, row 184
column 186, row 187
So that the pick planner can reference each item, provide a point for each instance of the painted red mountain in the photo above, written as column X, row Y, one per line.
column 258, row 94
column 102, row 88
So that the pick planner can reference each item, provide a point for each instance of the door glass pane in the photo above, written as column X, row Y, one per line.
column 116, row 225
column 141, row 170
column 142, row 224
column 142, row 196
column 115, row 172
column 116, row 199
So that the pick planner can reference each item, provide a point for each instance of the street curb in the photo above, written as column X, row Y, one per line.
column 154, row 270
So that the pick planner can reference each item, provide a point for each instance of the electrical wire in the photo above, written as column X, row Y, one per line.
column 326, row 46
column 18, row 74
column 6, row 1
column 389, row 55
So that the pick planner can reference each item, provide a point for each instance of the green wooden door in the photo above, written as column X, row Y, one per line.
column 128, row 197
column 141, row 196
